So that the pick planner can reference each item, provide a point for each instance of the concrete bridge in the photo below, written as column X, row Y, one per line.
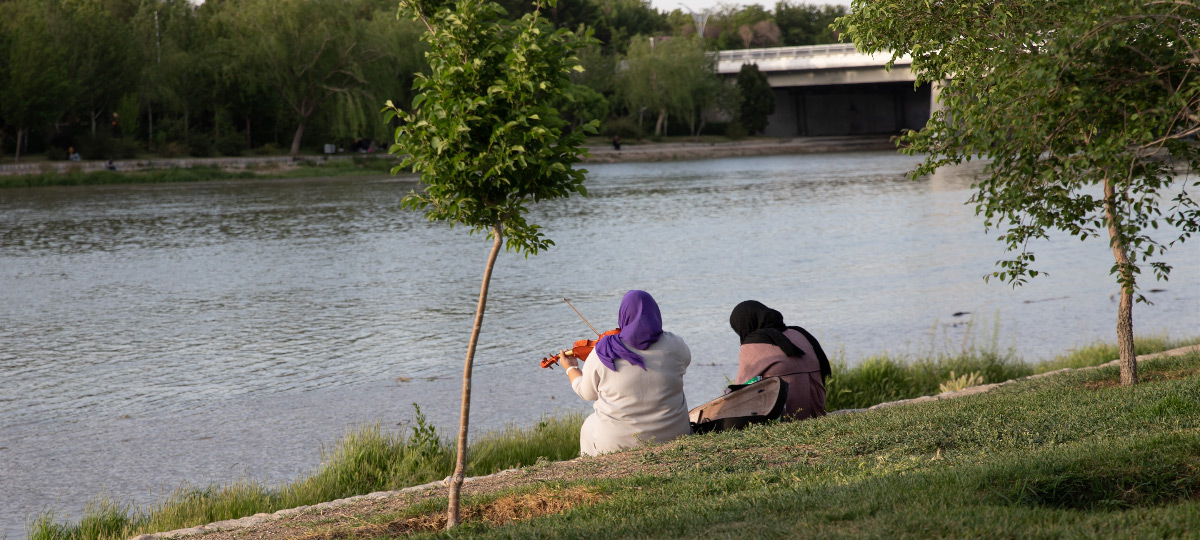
column 825, row 90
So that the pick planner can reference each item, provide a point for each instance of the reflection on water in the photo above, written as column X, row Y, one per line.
column 159, row 334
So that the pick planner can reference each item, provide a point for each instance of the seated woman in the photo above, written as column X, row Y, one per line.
column 772, row 349
column 635, row 379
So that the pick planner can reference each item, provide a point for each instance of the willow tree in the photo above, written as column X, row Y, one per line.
column 1088, row 111
column 672, row 76
column 485, row 138
column 35, row 88
column 309, row 51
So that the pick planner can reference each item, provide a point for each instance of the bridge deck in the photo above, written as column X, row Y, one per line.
column 804, row 58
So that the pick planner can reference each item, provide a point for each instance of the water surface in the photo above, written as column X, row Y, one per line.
column 161, row 334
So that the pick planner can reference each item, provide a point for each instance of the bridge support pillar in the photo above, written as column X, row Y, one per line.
column 935, row 94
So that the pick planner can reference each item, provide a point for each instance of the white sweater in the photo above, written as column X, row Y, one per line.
column 634, row 406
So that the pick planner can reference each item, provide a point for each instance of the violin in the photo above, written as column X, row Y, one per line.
column 580, row 349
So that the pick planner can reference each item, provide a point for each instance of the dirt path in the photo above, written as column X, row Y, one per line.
column 327, row 519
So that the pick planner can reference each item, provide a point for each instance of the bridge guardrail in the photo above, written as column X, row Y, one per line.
column 786, row 52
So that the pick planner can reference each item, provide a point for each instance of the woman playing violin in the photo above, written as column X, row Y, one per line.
column 635, row 379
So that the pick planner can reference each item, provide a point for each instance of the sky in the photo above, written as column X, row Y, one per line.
column 700, row 5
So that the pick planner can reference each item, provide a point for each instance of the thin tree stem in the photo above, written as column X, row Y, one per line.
column 1125, row 308
column 460, row 463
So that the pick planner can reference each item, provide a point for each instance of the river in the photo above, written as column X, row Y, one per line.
column 154, row 335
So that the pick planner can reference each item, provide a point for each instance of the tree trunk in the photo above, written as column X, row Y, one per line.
column 460, row 463
column 661, row 123
column 296, row 138
column 17, row 155
column 150, row 118
column 1125, row 307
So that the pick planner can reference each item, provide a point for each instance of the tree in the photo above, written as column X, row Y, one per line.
column 807, row 24
column 737, row 26
column 622, row 20
column 757, row 100
column 486, row 140
column 668, row 76
column 1087, row 110
column 34, row 85
column 182, row 63
column 309, row 51
column 579, row 105
column 390, row 75
column 105, row 60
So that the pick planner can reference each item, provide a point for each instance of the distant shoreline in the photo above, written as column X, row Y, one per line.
column 154, row 170
column 675, row 151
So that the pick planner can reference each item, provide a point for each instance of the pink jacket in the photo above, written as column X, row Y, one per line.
column 806, row 391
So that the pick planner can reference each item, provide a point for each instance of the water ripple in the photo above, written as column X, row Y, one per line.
column 199, row 332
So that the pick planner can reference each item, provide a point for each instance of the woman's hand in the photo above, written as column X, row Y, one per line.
column 567, row 361
column 570, row 364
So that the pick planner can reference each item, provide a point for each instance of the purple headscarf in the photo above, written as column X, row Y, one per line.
column 641, row 326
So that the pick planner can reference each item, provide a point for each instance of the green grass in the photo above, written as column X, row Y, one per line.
column 307, row 168
column 365, row 460
column 883, row 378
column 373, row 459
column 1068, row 456
column 1100, row 352
column 878, row 379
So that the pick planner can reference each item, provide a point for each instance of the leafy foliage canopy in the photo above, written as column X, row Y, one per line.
column 482, row 131
column 757, row 100
column 1088, row 111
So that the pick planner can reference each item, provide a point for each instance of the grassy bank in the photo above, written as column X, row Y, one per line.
column 1068, row 456
column 372, row 459
column 366, row 460
column 883, row 378
column 305, row 168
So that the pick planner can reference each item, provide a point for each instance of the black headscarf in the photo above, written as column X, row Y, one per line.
column 757, row 323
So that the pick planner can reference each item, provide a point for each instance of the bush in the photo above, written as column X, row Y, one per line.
column 231, row 144
column 55, row 153
column 581, row 105
column 126, row 149
column 623, row 126
column 99, row 146
column 200, row 146
column 172, row 149
column 735, row 131
column 715, row 128
column 268, row 149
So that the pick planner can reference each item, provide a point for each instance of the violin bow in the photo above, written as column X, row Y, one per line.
column 585, row 321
